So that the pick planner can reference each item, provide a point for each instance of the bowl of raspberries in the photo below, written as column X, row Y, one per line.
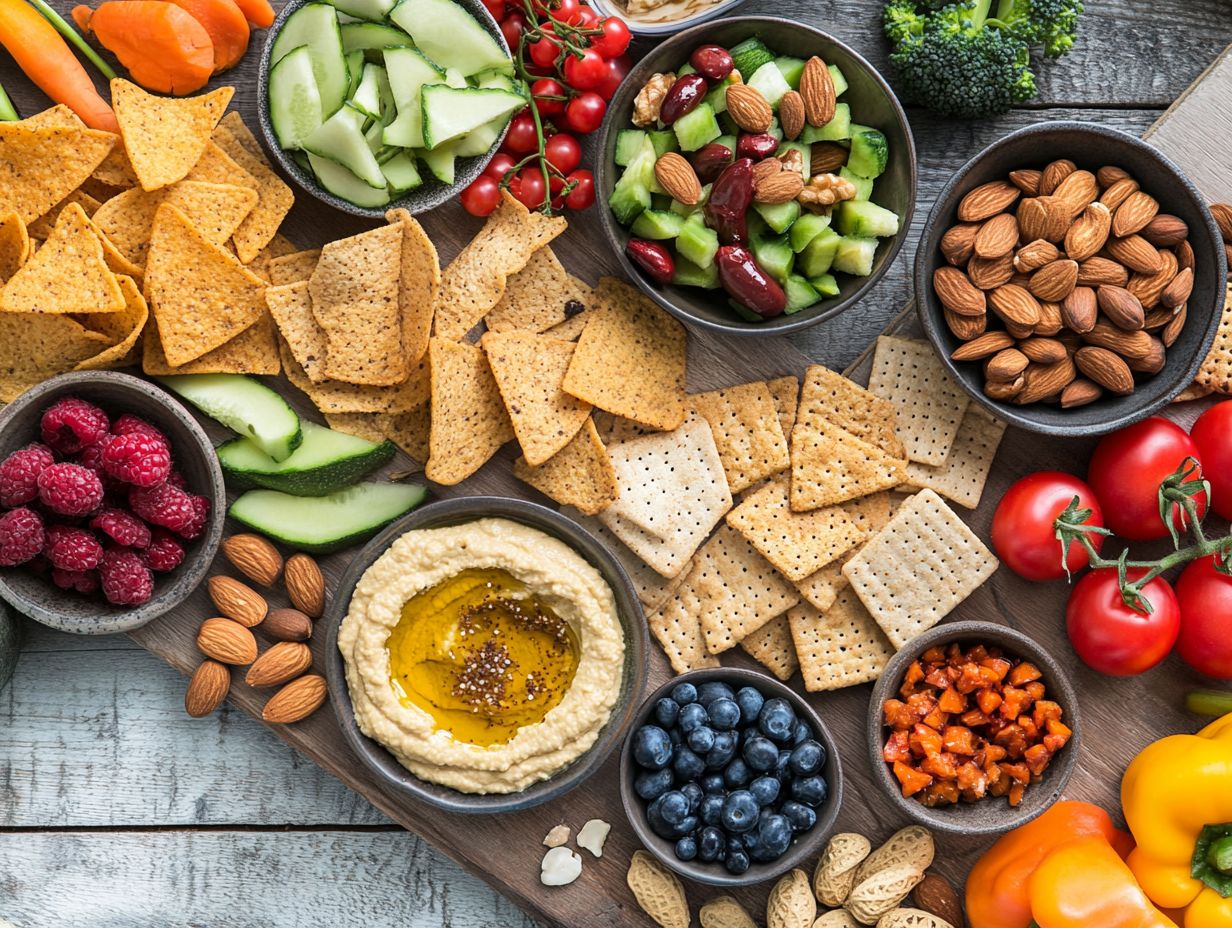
column 111, row 503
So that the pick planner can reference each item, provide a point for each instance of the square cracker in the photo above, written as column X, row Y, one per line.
column 914, row 572
column 830, row 465
column 274, row 197
column 785, row 391
column 579, row 475
column 676, row 627
column 839, row 647
column 870, row 513
column 252, row 351
column 1216, row 371
column 164, row 136
column 930, row 404
column 333, row 396
column 537, row 297
column 653, row 589
column 68, row 274
column 469, row 422
column 827, row 396
column 772, row 647
column 631, row 358
column 747, row 432
column 962, row 477
column 291, row 307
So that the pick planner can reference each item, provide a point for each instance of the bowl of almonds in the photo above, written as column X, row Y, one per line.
column 1071, row 278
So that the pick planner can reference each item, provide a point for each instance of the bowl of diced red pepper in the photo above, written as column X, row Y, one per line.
column 973, row 728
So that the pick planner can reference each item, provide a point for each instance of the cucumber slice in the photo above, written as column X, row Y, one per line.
column 326, row 461
column 371, row 10
column 628, row 144
column 775, row 256
column 869, row 152
column 295, row 104
column 245, row 405
column 440, row 161
column 342, row 183
column 825, row 285
column 855, row 255
column 863, row 185
column 664, row 140
column 861, row 218
column 836, row 130
column 800, row 294
column 770, row 81
column 631, row 193
column 697, row 243
column 355, row 71
column 499, row 80
column 807, row 228
column 818, row 256
column 779, row 216
column 682, row 209
column 839, row 79
column 401, row 173
column 450, row 36
column 451, row 112
column 372, row 37
column 658, row 225
column 688, row 274
column 408, row 71
column 341, row 139
column 662, row 203
column 791, row 69
column 750, row 55
column 478, row 141
column 697, row 128
column 315, row 25
column 326, row 523
column 455, row 78
column 367, row 96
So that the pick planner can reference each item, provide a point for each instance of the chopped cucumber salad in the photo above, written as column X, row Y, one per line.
column 371, row 96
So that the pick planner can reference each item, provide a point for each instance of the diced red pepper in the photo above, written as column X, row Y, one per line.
column 1045, row 711
column 1016, row 792
column 1024, row 673
column 936, row 719
column 952, row 702
column 1019, row 773
column 958, row 740
column 1015, row 702
column 989, row 701
column 943, row 766
column 1035, row 690
column 971, row 679
column 974, row 718
column 978, row 654
column 940, row 794
column 911, row 779
column 1037, row 757
column 914, row 674
column 925, row 741
column 934, row 655
column 998, row 665
column 896, row 748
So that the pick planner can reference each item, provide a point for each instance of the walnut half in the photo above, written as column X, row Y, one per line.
column 650, row 99
column 824, row 190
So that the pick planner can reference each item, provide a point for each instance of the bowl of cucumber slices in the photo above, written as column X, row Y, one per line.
column 373, row 104
column 691, row 208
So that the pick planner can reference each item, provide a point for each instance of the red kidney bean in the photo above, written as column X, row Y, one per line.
column 757, row 147
column 729, row 202
column 652, row 258
column 682, row 98
column 710, row 160
column 745, row 281
column 711, row 61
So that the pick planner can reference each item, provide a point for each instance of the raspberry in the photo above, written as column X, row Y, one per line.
column 176, row 479
column 163, row 505
column 137, row 459
column 72, row 424
column 19, row 474
column 128, row 424
column 21, row 536
column 201, row 515
column 164, row 554
column 72, row 548
column 70, row 489
column 126, row 581
column 83, row 581
column 92, row 455
column 122, row 527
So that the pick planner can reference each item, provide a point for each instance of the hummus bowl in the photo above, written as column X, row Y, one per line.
column 485, row 654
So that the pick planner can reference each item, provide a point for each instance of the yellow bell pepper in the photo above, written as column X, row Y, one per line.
column 1085, row 884
column 1177, row 799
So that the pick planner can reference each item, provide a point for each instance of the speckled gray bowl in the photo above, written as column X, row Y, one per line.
column 991, row 815
column 37, row 597
column 429, row 195
column 632, row 621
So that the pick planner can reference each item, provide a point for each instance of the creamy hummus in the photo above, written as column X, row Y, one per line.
column 484, row 656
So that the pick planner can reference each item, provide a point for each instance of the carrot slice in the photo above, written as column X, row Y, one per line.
column 257, row 12
column 164, row 48
column 226, row 25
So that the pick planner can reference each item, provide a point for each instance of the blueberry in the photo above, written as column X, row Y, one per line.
column 773, row 838
column 700, row 739
column 802, row 732
column 782, row 766
column 750, row 702
column 684, row 693
column 712, row 784
column 709, row 809
column 736, row 862
column 711, row 690
column 760, row 753
column 652, row 748
column 692, row 716
column 807, row 758
column 686, row 848
column 654, row 818
column 811, row 791
column 723, row 751
column 693, row 793
column 687, row 827
column 777, row 720
column 735, row 842
column 675, row 735
column 799, row 816
column 724, row 714
column 710, row 844
column 687, row 765
column 737, row 774
column 666, row 711
column 765, row 790
column 740, row 811
column 651, row 784
column 673, row 807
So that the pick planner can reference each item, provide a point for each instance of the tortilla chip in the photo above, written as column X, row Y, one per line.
column 292, row 268
column 123, row 329
column 631, row 358
column 930, row 404
column 40, row 167
column 469, row 422
column 419, row 286
column 333, row 397
column 116, row 170
column 41, row 227
column 291, row 307
column 772, row 647
column 827, row 396
column 215, row 166
column 36, row 346
column 201, row 295
column 355, row 298
column 746, row 430
column 164, row 136
column 275, row 198
column 538, row 297
column 840, row 647
column 830, row 465
column 476, row 279
column 116, row 261
column 253, row 351
column 14, row 245
column 58, row 115
column 69, row 274
column 579, row 475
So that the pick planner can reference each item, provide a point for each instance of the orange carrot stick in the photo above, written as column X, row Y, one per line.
column 226, row 25
column 39, row 50
column 163, row 47
column 257, row 12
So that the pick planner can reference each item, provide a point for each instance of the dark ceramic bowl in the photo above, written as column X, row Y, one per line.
column 455, row 512
column 193, row 452
column 429, row 195
column 804, row 849
column 872, row 104
column 1091, row 147
column 990, row 815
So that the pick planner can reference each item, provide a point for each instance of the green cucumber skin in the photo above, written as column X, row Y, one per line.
column 326, row 547
column 320, row 481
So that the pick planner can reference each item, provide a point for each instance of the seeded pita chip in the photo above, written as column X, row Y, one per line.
column 476, row 279
column 914, row 572
column 830, row 465
column 41, row 227
column 274, row 197
column 469, row 422
column 69, row 274
column 40, row 167
column 962, row 477
column 653, row 589
column 677, row 629
column 293, row 268
column 122, row 329
column 746, row 431
column 1216, row 371
column 14, row 245
column 630, row 359
column 419, row 286
column 164, row 136
column 332, row 397
column 252, row 351
column 785, row 391
column 36, row 346
column 538, row 297
column 202, row 297
column 830, row 397
column 291, row 307
column 930, row 404
column 578, row 475
column 840, row 647
column 772, row 647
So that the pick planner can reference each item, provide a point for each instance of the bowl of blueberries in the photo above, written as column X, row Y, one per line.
column 730, row 778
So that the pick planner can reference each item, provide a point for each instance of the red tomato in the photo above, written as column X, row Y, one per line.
column 500, row 165
column 482, row 196
column 584, row 113
column 1212, row 433
column 545, row 88
column 617, row 68
column 1022, row 527
column 563, row 152
column 529, row 187
column 587, row 72
column 1205, row 597
column 521, row 139
column 1112, row 638
column 587, row 17
column 614, row 39
column 583, row 193
column 566, row 11
column 511, row 28
column 496, row 8
column 545, row 51
column 1126, row 470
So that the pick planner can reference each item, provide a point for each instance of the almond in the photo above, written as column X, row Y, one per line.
column 965, row 328
column 1154, row 362
column 282, row 662
column 238, row 601
column 1165, row 230
column 287, row 625
column 817, row 92
column 956, row 292
column 1055, row 281
column 1135, row 344
column 1223, row 218
column 1054, row 173
column 1080, row 310
column 987, row 273
column 1019, row 331
column 781, row 187
column 678, row 178
column 254, row 556
column 1184, row 256
column 1034, row 255
column 1004, row 392
column 1050, row 319
column 1178, row 289
column 997, row 236
column 1110, row 174
column 827, row 158
column 305, row 585
column 1014, row 304
column 1106, row 368
column 295, row 701
column 1027, row 180
column 1172, row 331
column 1157, row 318
column 1118, row 192
column 937, row 897
column 1080, row 392
column 1136, row 253
column 984, row 346
column 1043, row 217
column 207, row 688
column 987, row 200
column 1089, row 232
column 226, row 641
column 1006, row 365
column 1122, row 308
column 1095, row 271
column 958, row 243
column 1045, row 380
column 765, row 169
column 1043, row 350
column 1077, row 191
column 1148, row 288
column 1132, row 216
column 791, row 115
column 748, row 108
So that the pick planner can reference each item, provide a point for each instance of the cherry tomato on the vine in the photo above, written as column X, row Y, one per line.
column 1212, row 433
column 614, row 39
column 1205, row 597
column 500, row 165
column 586, row 72
column 482, row 196
column 1113, row 638
column 521, row 139
column 563, row 152
column 1022, row 527
column 587, row 17
column 496, row 8
column 545, row 88
column 545, row 51
column 617, row 69
column 528, row 187
column 512, row 27
column 566, row 11
column 584, row 113
column 583, row 193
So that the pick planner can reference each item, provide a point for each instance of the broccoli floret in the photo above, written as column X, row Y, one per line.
column 1050, row 23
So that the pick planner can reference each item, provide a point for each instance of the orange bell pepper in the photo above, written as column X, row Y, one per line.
column 1083, row 884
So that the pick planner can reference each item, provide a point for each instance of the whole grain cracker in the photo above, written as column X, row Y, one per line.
column 772, row 647
column 669, row 557
column 14, row 245
column 840, row 647
column 291, row 307
column 830, row 465
column 409, row 430
column 631, row 358
column 41, row 227
column 252, row 351
column 1216, row 371
column 537, row 297
column 164, row 136
column 785, row 391
column 41, row 166
column 274, row 197
column 68, row 274
column 334, row 396
column 579, row 475
column 37, row 346
column 123, row 329
column 869, row 513
column 653, row 589
column 614, row 429
column 469, row 422
column 419, row 284
column 929, row 403
column 962, row 477
column 827, row 396
column 914, row 572
column 292, row 268
column 676, row 627
column 571, row 329
column 747, row 432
